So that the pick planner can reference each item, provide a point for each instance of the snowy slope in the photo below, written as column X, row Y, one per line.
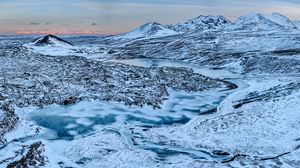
column 148, row 30
column 297, row 23
column 281, row 20
column 258, row 21
column 202, row 23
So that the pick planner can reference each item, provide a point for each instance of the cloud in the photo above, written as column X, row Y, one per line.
column 34, row 23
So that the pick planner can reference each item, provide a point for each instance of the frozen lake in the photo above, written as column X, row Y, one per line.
column 67, row 124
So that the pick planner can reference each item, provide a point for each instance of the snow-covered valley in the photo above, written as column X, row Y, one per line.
column 204, row 93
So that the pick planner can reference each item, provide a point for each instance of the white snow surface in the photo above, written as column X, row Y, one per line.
column 297, row 23
column 259, row 129
column 1, row 115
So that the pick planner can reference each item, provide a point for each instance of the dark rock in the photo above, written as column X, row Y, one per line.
column 33, row 158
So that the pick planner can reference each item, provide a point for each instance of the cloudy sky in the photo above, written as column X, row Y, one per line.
column 114, row 16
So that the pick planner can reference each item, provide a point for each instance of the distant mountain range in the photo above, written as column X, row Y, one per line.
column 254, row 42
column 250, row 22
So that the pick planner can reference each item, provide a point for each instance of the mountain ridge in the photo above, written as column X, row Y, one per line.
column 249, row 22
column 201, row 23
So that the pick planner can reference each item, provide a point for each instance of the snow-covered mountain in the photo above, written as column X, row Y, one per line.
column 253, row 22
column 149, row 30
column 51, row 45
column 51, row 40
column 259, row 21
column 201, row 23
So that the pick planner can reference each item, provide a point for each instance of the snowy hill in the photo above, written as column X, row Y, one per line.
column 202, row 23
column 51, row 45
column 259, row 21
column 51, row 40
column 149, row 30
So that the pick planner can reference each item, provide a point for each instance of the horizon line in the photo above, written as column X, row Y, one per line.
column 98, row 33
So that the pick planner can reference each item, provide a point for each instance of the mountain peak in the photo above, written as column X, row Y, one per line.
column 202, row 23
column 50, row 40
column 277, row 14
column 152, row 27
column 151, row 24
column 258, row 21
column 148, row 30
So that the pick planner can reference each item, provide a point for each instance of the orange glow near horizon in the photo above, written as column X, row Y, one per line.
column 63, row 33
column 102, row 17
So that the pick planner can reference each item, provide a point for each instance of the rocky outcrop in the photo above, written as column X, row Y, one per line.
column 32, row 156
column 8, row 122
